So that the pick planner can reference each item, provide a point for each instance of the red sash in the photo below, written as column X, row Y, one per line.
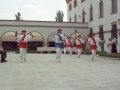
column 94, row 41
column 21, row 40
column 93, row 47
column 70, row 42
column 79, row 41
column 80, row 45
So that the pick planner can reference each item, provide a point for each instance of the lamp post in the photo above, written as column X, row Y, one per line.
column 75, row 33
column 75, row 36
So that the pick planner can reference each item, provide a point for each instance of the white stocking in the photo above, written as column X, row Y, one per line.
column 79, row 52
column 21, row 52
column 24, row 53
column 65, row 50
column 58, row 52
column 93, row 54
column 70, row 50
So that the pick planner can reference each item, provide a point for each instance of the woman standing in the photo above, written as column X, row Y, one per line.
column 109, row 45
column 114, row 42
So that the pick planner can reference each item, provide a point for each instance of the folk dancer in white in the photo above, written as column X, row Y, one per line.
column 59, row 45
column 93, row 45
column 70, row 44
column 65, row 46
column 79, row 45
column 109, row 45
column 23, row 43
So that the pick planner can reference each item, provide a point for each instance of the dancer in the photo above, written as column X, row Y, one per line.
column 23, row 43
column 59, row 45
column 93, row 45
column 70, row 44
column 79, row 45
column 65, row 46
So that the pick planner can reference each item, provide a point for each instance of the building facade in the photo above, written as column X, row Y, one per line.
column 42, row 31
column 102, row 16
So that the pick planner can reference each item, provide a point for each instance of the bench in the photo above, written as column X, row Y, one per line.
column 51, row 49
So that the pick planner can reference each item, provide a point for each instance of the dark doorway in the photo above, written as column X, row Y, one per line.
column 114, row 31
column 9, row 45
column 51, row 44
column 32, row 45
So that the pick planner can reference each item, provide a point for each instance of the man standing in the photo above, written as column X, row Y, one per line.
column 79, row 45
column 93, row 45
column 23, row 43
column 102, row 43
column 59, row 45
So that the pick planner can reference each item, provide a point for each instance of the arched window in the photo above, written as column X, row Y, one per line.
column 82, row 1
column 114, row 6
column 75, row 3
column 75, row 18
column 114, row 30
column 101, row 32
column 91, row 13
column 70, row 7
column 101, row 9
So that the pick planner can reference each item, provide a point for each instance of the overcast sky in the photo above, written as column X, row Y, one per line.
column 43, row 10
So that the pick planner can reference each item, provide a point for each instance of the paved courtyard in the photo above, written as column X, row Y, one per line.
column 43, row 72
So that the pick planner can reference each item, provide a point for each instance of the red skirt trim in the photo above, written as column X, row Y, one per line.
column 71, row 46
column 80, row 46
column 93, row 47
column 65, row 45
column 23, row 45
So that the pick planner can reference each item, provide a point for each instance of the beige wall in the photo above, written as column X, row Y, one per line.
column 44, row 28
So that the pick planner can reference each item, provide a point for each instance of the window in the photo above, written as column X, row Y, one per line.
column 101, row 33
column 75, row 3
column 75, row 18
column 114, row 6
column 101, row 9
column 114, row 31
column 82, row 1
column 70, row 18
column 91, row 13
column 70, row 7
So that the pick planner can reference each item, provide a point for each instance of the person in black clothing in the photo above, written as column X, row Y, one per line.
column 3, row 55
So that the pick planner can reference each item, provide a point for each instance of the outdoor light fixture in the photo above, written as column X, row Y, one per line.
column 119, row 21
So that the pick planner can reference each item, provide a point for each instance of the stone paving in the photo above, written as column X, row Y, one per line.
column 43, row 72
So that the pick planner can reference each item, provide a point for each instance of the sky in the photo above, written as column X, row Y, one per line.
column 40, row 10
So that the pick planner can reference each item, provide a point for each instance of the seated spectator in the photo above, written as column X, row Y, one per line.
column 3, row 55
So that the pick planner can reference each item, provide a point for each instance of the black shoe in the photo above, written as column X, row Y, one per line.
column 5, row 60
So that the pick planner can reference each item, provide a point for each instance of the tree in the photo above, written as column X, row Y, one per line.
column 59, row 16
column 18, row 16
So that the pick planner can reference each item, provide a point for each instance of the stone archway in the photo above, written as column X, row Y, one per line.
column 9, row 41
column 50, row 41
column 74, row 36
column 37, row 41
